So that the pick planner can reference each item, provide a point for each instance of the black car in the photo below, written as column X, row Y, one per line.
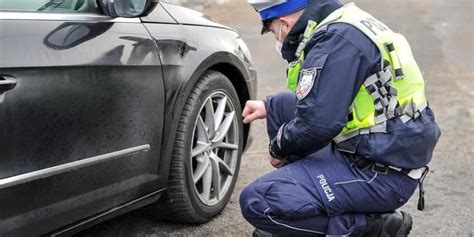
column 110, row 105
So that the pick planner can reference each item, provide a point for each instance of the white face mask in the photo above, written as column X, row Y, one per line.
column 279, row 44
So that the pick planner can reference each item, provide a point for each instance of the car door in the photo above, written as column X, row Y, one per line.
column 81, row 113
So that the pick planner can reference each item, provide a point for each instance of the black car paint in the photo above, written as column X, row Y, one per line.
column 77, row 90
column 187, row 16
column 85, row 97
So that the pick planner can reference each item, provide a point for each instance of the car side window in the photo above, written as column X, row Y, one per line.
column 49, row 6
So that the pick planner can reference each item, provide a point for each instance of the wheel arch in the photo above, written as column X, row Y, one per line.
column 224, row 62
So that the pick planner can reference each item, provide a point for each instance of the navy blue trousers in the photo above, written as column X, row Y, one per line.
column 321, row 194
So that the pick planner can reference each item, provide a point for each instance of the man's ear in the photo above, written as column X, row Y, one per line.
column 286, row 21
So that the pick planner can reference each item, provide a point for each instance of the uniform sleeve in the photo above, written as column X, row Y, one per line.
column 331, row 75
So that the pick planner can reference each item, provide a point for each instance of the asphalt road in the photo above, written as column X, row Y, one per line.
column 441, row 35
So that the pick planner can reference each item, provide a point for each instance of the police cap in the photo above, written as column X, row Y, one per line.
column 272, row 9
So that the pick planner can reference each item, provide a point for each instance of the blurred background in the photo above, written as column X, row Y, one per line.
column 442, row 38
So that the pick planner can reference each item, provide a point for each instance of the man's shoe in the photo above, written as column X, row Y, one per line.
column 393, row 224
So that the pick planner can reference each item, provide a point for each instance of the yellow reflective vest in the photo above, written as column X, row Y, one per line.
column 396, row 91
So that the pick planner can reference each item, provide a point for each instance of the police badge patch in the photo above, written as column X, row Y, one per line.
column 306, row 82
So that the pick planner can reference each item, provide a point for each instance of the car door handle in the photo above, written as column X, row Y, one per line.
column 7, row 83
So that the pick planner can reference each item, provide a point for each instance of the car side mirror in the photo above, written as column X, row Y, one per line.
column 127, row 8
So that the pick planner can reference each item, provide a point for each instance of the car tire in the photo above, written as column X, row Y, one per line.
column 185, row 199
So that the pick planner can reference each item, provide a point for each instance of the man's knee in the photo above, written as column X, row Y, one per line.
column 251, row 202
column 264, row 209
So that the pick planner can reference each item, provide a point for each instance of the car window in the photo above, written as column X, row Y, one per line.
column 48, row 6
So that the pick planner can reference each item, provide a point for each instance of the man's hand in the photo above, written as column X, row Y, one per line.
column 254, row 109
column 276, row 163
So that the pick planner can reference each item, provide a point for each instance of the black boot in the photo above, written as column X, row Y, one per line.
column 393, row 224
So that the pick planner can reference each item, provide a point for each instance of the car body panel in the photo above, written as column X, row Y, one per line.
column 186, row 52
column 187, row 16
column 159, row 15
column 84, row 89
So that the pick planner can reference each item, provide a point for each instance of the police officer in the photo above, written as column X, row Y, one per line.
column 353, row 139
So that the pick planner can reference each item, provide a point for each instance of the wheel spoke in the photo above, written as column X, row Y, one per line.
column 201, row 169
column 225, row 146
column 210, row 123
column 219, row 115
column 222, row 165
column 201, row 131
column 199, row 148
column 207, row 183
column 216, row 177
column 224, row 127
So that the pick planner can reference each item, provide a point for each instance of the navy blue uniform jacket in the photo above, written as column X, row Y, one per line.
column 345, row 57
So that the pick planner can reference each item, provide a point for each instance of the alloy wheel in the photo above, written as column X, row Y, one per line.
column 214, row 152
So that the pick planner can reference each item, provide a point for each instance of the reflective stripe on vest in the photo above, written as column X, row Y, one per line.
column 295, row 66
column 396, row 91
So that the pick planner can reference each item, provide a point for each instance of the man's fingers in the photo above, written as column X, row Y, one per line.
column 276, row 163
column 250, row 118
column 247, row 111
column 253, row 110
